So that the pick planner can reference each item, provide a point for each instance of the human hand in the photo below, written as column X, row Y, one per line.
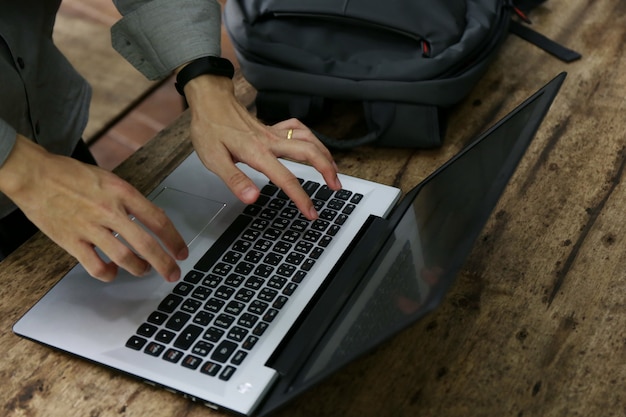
column 223, row 133
column 80, row 206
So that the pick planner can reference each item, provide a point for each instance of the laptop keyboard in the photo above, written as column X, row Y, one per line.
column 217, row 313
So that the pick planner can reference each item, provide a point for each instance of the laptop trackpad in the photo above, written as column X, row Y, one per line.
column 190, row 213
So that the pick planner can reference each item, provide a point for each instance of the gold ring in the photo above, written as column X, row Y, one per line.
column 289, row 134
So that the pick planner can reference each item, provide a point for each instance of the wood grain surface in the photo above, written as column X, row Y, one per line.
column 535, row 324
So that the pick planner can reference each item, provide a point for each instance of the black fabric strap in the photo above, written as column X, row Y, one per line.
column 548, row 45
column 206, row 65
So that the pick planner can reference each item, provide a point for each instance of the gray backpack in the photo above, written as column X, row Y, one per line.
column 404, row 61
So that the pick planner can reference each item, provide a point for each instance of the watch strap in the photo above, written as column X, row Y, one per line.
column 213, row 65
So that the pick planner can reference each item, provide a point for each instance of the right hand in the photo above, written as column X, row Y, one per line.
column 80, row 206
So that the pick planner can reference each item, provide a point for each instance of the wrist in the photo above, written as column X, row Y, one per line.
column 20, row 166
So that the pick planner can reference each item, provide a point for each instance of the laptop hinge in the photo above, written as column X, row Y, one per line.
column 329, row 300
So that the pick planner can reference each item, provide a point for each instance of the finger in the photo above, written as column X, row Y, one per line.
column 306, row 151
column 300, row 132
column 238, row 182
column 290, row 185
column 119, row 253
column 148, row 248
column 155, row 219
column 93, row 264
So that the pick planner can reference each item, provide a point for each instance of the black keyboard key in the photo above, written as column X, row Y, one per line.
column 223, row 351
column 282, row 247
column 255, row 256
column 202, row 348
column 234, row 280
column 244, row 295
column 234, row 307
column 268, row 295
column 308, row 264
column 343, row 194
column 177, row 321
column 290, row 288
column 310, row 187
column 261, row 246
column 260, row 328
column 280, row 302
column 201, row 293
column 186, row 338
column 154, row 349
column 269, row 189
column 335, row 205
column 247, row 320
column 324, row 193
column 252, row 210
column 348, row 209
column 193, row 277
column 298, row 277
column 250, row 342
column 214, row 305
column 224, row 292
column 222, row 243
column 146, row 330
column 262, row 200
column 224, row 321
column 232, row 257
column 257, row 307
column 170, row 303
column 136, row 342
column 356, row 198
column 213, row 334
column 237, row 334
column 157, row 318
column 191, row 362
column 238, row 357
column 212, row 281
column 173, row 355
column 191, row 306
column 263, row 271
column 242, row 246
column 164, row 336
column 341, row 219
column 277, row 203
column 203, row 318
column 270, row 315
column 210, row 368
column 182, row 288
column 227, row 373
column 317, row 252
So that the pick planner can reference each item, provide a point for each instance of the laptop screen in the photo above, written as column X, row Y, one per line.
column 433, row 235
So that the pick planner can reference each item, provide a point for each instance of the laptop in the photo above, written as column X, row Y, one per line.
column 271, row 303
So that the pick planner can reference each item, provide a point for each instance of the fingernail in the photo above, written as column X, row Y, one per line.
column 313, row 213
column 338, row 183
column 174, row 276
column 183, row 254
column 249, row 195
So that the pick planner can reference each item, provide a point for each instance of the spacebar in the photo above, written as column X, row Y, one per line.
column 218, row 248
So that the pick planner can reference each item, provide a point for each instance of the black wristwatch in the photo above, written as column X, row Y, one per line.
column 206, row 65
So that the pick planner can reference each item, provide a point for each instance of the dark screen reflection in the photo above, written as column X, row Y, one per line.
column 431, row 240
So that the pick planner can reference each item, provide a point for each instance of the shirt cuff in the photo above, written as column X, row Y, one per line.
column 161, row 35
column 8, row 137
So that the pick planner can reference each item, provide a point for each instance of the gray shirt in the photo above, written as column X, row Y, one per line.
column 41, row 95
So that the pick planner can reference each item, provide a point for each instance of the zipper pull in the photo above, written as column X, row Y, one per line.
column 521, row 14
column 425, row 48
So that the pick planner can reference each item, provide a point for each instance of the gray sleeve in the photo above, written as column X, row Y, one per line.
column 157, row 36
column 8, row 136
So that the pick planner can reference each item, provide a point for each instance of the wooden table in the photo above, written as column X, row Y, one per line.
column 536, row 322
